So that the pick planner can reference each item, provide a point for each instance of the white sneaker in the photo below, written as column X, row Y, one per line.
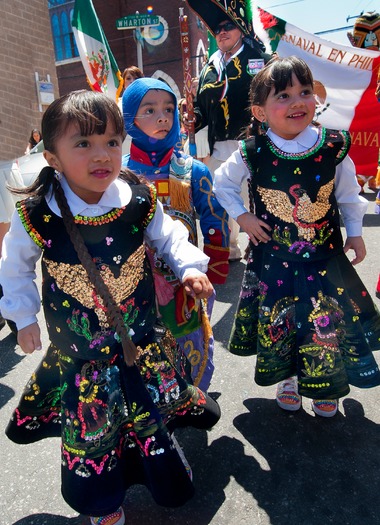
column 325, row 407
column 287, row 395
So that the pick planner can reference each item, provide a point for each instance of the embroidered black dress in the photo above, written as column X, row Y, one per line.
column 114, row 420
column 303, row 309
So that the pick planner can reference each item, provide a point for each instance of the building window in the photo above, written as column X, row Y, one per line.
column 61, row 13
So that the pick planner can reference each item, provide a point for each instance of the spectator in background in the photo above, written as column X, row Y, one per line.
column 130, row 74
column 34, row 139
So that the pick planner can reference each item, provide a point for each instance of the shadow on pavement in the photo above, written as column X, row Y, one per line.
column 308, row 469
column 8, row 357
column 8, row 361
column 228, row 293
column 211, row 466
column 371, row 220
column 6, row 394
column 211, row 476
column 50, row 519
column 301, row 469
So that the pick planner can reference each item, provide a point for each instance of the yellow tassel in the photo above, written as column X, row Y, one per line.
column 378, row 174
column 180, row 194
column 207, row 334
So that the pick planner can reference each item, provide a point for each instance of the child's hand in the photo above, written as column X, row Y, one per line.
column 198, row 287
column 29, row 338
column 254, row 227
column 356, row 244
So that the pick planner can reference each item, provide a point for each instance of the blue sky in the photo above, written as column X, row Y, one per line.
column 320, row 15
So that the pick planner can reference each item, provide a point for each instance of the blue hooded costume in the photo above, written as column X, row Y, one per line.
column 184, row 186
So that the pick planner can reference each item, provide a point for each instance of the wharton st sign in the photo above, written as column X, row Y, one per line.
column 138, row 20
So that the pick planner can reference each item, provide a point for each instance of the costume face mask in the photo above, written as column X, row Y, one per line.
column 366, row 33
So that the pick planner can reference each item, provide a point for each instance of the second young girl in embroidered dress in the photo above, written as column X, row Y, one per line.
column 302, row 308
column 110, row 370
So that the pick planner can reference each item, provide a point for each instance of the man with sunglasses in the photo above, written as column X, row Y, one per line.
column 222, row 100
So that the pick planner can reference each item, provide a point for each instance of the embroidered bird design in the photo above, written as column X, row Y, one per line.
column 74, row 281
column 303, row 213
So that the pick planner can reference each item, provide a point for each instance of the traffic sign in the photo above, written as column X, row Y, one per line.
column 137, row 20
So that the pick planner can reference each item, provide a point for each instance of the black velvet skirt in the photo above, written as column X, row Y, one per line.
column 115, row 423
column 315, row 321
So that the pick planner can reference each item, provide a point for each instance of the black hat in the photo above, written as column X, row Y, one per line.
column 213, row 12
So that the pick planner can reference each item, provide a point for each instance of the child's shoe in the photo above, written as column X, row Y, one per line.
column 287, row 395
column 116, row 518
column 325, row 407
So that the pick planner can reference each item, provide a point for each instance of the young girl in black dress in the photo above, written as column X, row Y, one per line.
column 111, row 383
column 303, row 309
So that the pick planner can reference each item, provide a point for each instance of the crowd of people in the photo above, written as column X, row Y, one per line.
column 128, row 294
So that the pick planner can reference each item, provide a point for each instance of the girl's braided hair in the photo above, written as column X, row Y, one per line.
column 91, row 112
column 112, row 309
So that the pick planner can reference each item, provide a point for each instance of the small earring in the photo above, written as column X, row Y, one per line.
column 263, row 125
column 57, row 174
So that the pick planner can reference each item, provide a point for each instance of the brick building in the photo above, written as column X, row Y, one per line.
column 27, row 54
column 161, row 47
column 38, row 46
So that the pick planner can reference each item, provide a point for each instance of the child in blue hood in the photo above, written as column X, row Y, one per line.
column 184, row 186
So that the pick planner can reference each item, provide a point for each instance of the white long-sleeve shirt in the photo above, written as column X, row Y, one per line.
column 229, row 177
column 21, row 302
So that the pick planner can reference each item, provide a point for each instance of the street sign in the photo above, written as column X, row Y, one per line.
column 138, row 20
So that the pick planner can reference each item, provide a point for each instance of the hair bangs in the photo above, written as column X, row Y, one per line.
column 282, row 72
column 92, row 114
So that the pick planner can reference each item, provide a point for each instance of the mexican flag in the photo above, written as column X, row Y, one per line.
column 98, row 61
column 345, row 83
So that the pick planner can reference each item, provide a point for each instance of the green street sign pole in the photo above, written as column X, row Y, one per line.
column 135, row 22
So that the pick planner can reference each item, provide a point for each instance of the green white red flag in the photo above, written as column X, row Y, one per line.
column 345, row 83
column 98, row 61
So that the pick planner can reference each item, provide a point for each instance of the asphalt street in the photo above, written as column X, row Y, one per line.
column 258, row 466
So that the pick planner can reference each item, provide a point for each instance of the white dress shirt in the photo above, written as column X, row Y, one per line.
column 229, row 177
column 21, row 301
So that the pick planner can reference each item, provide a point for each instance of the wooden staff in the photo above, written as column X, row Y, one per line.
column 186, row 62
